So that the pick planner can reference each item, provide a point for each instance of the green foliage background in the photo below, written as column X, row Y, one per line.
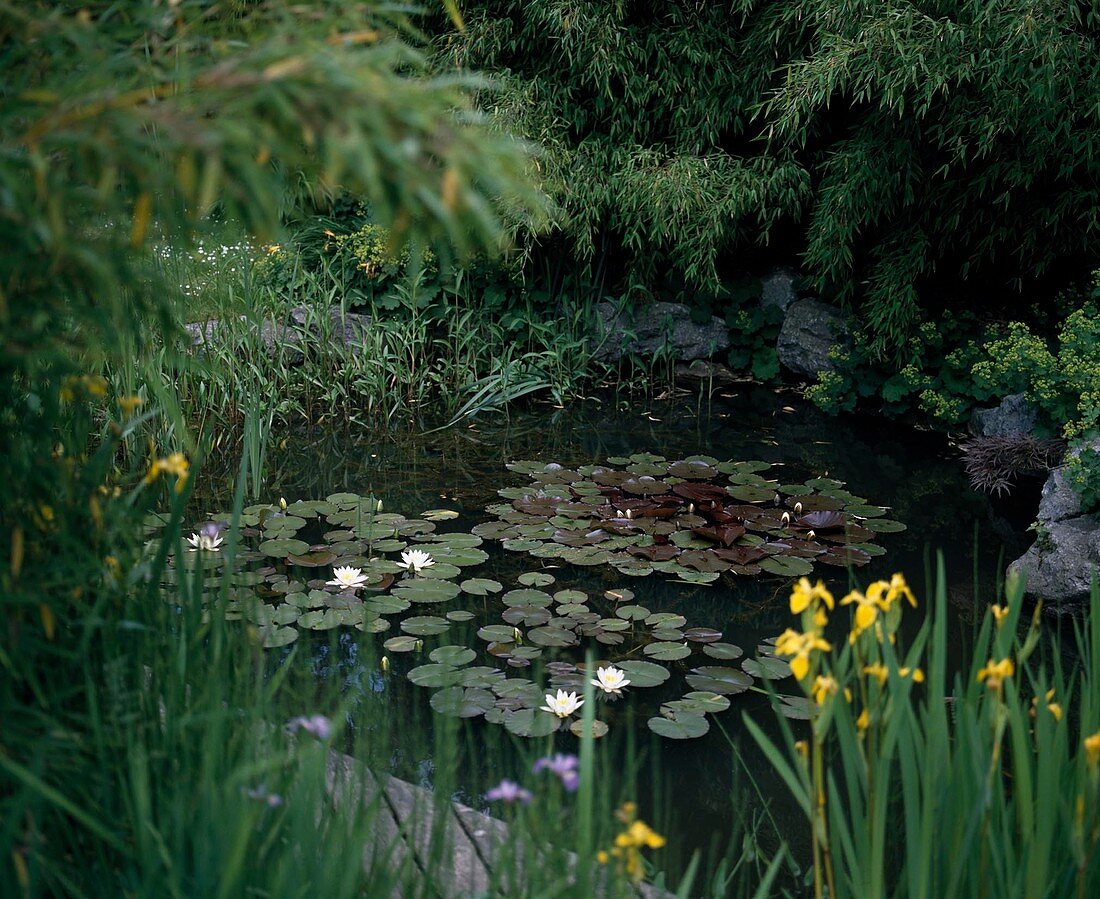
column 897, row 145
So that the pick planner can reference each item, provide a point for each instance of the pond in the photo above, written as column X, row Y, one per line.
column 462, row 469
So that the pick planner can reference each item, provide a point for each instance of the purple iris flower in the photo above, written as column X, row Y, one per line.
column 509, row 791
column 562, row 765
column 318, row 725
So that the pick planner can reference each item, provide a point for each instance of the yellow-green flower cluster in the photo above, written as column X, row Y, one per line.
column 627, row 850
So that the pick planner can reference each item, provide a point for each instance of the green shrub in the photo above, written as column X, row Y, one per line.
column 1083, row 474
column 901, row 146
column 949, row 372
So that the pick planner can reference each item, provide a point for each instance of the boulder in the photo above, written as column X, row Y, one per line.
column 348, row 328
column 811, row 331
column 1011, row 417
column 778, row 288
column 1060, row 565
column 655, row 329
column 275, row 337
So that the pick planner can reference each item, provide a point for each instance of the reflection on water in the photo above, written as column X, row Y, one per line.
column 462, row 468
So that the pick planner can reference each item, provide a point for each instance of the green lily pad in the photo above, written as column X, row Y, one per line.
column 434, row 675
column 462, row 702
column 320, row 620
column 497, row 633
column 667, row 652
column 883, row 525
column 712, row 679
column 424, row 625
column 681, row 726
column 425, row 590
column 726, row 651
column 531, row 723
column 535, row 579
column 786, row 566
column 460, row 615
column 767, row 668
column 401, row 644
column 281, row 548
column 274, row 637
column 551, row 636
column 316, row 559
column 644, row 674
column 479, row 586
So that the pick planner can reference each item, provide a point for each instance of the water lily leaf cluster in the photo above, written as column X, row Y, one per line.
column 493, row 650
column 695, row 518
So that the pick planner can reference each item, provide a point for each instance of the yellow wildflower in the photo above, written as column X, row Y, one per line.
column 897, row 588
column 824, row 687
column 1055, row 708
column 804, row 595
column 640, row 834
column 864, row 720
column 175, row 464
column 880, row 673
column 1092, row 747
column 129, row 404
column 994, row 673
column 803, row 748
column 628, row 845
column 1000, row 613
column 868, row 605
column 798, row 647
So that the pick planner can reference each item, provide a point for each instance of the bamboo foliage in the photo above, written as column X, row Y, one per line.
column 896, row 142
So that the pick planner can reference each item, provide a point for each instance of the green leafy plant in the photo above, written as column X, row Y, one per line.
column 1083, row 473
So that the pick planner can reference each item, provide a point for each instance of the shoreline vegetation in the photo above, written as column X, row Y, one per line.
column 245, row 163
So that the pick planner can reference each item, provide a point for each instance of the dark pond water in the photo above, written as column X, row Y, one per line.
column 698, row 785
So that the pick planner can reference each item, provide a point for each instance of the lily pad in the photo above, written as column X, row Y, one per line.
column 401, row 644
column 599, row 729
column 479, row 586
column 281, row 548
column 667, row 652
column 712, row 679
column 644, row 674
column 679, row 726
column 424, row 625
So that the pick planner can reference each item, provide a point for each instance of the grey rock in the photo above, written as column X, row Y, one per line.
column 1060, row 566
column 778, row 288
column 658, row 328
column 810, row 332
column 202, row 332
column 1058, row 500
column 276, row 337
column 349, row 328
column 1011, row 417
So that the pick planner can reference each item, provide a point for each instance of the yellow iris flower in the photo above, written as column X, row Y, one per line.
column 868, row 605
column 798, row 648
column 1092, row 747
column 804, row 595
column 994, row 673
column 897, row 588
column 880, row 673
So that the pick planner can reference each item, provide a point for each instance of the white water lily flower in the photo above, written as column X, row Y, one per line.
column 610, row 679
column 210, row 542
column 563, row 705
column 347, row 578
column 416, row 560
